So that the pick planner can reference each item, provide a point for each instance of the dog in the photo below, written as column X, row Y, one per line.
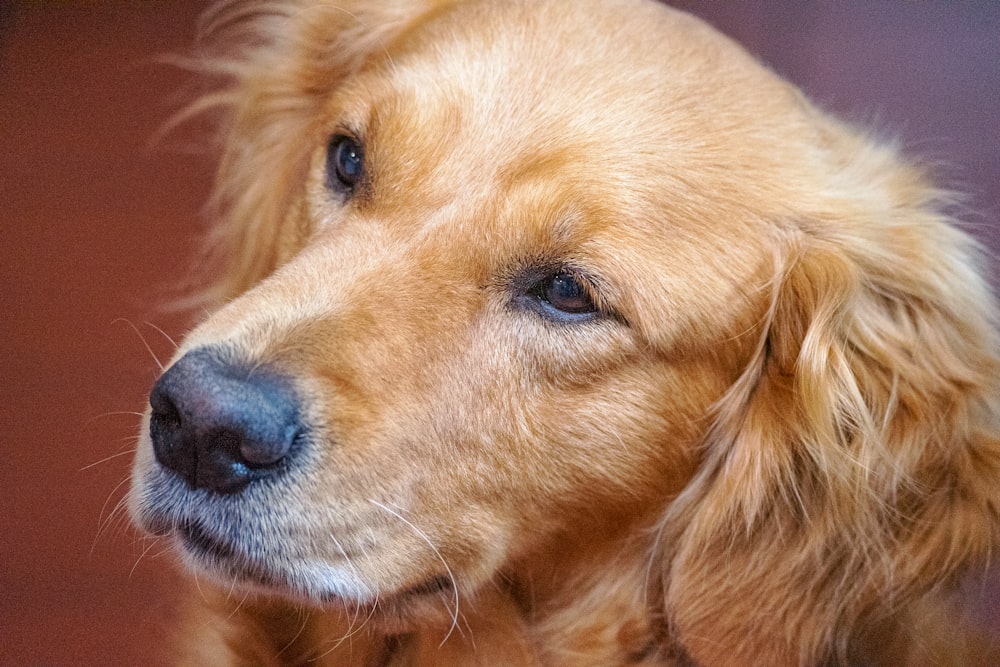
column 551, row 335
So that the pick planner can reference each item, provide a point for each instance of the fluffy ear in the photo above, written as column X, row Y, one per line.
column 279, row 62
column 855, row 465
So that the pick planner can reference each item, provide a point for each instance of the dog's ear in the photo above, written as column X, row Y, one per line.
column 278, row 63
column 855, row 463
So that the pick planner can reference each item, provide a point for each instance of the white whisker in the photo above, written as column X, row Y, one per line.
column 454, row 583
column 105, row 522
column 150, row 543
column 162, row 333
column 142, row 338
column 116, row 455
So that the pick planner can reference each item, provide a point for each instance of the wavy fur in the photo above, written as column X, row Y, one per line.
column 792, row 458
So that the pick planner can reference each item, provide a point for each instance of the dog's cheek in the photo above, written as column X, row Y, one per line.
column 619, row 426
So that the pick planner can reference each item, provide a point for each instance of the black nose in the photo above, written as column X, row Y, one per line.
column 220, row 426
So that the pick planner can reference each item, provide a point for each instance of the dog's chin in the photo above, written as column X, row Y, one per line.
column 318, row 585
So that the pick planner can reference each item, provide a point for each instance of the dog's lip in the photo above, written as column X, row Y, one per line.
column 197, row 539
column 201, row 541
column 437, row 584
column 155, row 525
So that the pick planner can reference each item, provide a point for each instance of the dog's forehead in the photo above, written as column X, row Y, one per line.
column 516, row 67
column 624, row 93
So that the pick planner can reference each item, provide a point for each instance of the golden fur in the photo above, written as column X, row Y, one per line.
column 776, row 443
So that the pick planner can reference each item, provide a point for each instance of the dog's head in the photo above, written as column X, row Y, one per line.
column 505, row 278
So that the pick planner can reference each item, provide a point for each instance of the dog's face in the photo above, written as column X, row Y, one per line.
column 528, row 252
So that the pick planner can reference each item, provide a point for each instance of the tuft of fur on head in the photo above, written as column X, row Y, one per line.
column 277, row 66
column 850, row 472
column 853, row 465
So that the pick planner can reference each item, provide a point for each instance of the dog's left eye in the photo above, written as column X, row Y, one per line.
column 345, row 163
column 563, row 295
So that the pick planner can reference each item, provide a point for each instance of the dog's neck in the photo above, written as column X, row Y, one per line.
column 592, row 597
column 581, row 599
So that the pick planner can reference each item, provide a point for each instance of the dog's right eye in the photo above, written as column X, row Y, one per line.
column 345, row 163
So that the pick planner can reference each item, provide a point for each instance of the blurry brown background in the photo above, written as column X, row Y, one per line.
column 96, row 224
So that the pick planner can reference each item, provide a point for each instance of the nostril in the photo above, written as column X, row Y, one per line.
column 166, row 430
column 164, row 413
column 269, row 451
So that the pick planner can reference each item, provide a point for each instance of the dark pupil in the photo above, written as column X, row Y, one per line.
column 348, row 161
column 566, row 293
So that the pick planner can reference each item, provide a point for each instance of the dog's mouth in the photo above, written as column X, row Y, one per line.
column 197, row 539
column 229, row 561
column 432, row 586
column 220, row 554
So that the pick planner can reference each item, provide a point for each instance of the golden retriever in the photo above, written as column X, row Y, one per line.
column 566, row 334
